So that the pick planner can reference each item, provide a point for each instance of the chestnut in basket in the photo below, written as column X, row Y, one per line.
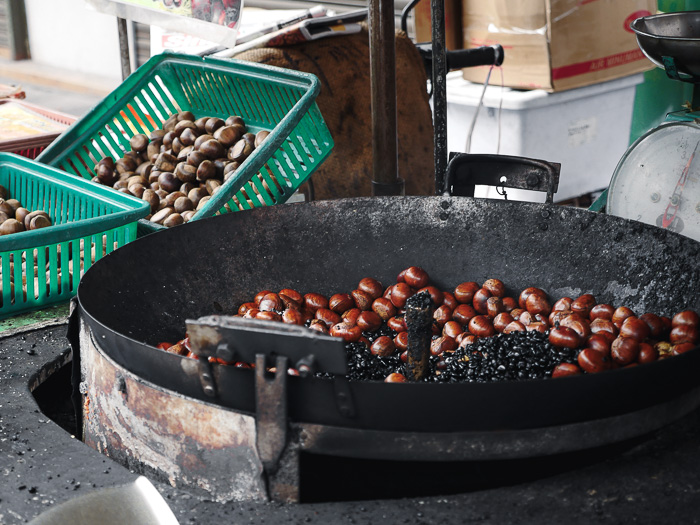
column 191, row 155
column 14, row 218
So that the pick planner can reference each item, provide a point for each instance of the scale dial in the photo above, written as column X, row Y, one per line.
column 657, row 181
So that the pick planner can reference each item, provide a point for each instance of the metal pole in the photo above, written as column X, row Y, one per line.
column 17, row 27
column 124, row 47
column 439, row 92
column 382, row 57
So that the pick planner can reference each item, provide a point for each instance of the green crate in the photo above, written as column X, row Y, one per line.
column 88, row 220
column 278, row 100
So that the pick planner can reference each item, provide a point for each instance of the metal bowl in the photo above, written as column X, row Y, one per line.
column 675, row 36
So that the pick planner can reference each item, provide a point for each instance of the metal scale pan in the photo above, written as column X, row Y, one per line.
column 671, row 41
column 657, row 181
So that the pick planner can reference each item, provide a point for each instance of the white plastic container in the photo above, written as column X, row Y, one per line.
column 587, row 129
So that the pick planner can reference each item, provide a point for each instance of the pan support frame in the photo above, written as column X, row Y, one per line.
column 122, row 419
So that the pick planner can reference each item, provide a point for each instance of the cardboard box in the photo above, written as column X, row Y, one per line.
column 556, row 44
column 453, row 23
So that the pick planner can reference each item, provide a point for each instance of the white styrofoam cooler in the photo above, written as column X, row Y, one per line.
column 587, row 129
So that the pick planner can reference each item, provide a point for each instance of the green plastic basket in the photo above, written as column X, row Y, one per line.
column 278, row 100
column 39, row 266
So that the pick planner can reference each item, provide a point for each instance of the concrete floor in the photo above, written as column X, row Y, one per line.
column 56, row 89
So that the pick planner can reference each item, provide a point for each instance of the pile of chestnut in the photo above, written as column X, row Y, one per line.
column 607, row 336
column 178, row 168
column 15, row 218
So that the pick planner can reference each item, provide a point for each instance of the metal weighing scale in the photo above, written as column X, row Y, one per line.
column 657, row 181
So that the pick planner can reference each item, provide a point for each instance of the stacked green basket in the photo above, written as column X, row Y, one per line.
column 42, row 267
column 277, row 100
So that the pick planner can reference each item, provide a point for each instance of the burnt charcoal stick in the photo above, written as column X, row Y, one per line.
column 419, row 322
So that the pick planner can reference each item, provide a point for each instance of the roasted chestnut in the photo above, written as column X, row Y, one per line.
column 319, row 326
column 341, row 302
column 397, row 324
column 462, row 314
column 329, row 317
column 655, row 324
column 270, row 302
column 687, row 318
column 395, row 377
column 369, row 321
column 624, row 350
column 537, row 304
column 563, row 304
column 291, row 316
column 635, row 328
column 647, row 354
column 682, row 333
column 371, row 286
column 481, row 296
column 289, row 295
column 564, row 337
column 416, row 277
column 527, row 292
column 452, row 329
column 599, row 343
column 495, row 286
column 401, row 340
column 481, row 326
column 494, row 306
column 383, row 346
column 350, row 316
column 400, row 293
column 502, row 320
column 515, row 326
column 442, row 344
column 449, row 300
column 443, row 314
column 314, row 301
column 593, row 361
column 268, row 316
column 509, row 304
column 579, row 324
column 682, row 348
column 464, row 293
column 584, row 304
column 384, row 308
column 565, row 369
column 620, row 315
column 350, row 334
column 362, row 299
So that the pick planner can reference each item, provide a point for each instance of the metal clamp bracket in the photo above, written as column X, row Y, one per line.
column 271, row 410
column 233, row 339
column 466, row 171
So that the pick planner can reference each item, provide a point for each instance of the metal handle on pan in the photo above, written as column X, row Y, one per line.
column 465, row 171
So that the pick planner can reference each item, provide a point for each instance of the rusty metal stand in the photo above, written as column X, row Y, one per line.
column 382, row 57
column 439, row 85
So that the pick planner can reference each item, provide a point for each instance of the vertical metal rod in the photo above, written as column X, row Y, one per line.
column 17, row 27
column 124, row 48
column 439, row 92
column 382, row 59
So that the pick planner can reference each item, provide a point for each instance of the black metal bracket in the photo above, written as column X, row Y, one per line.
column 233, row 339
column 73, row 336
column 466, row 171
column 271, row 410
column 240, row 339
